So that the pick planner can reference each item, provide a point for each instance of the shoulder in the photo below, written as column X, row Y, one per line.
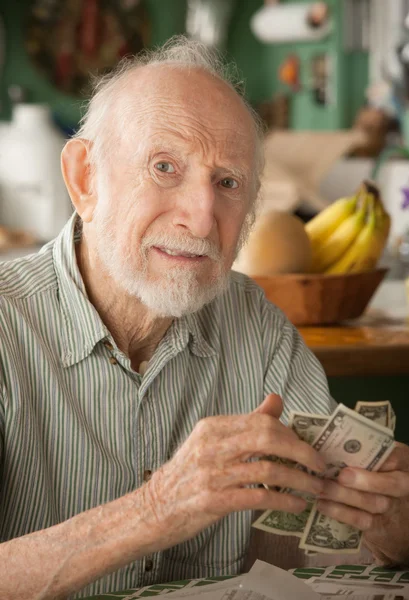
column 248, row 300
column 245, row 292
column 28, row 276
column 242, row 317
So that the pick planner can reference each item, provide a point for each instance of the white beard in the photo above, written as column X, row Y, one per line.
column 177, row 292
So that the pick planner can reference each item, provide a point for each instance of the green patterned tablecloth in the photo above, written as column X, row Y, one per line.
column 157, row 590
column 357, row 572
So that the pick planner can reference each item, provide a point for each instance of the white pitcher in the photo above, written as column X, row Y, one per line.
column 32, row 191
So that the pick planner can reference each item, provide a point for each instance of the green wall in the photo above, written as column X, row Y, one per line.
column 168, row 18
column 349, row 77
column 258, row 63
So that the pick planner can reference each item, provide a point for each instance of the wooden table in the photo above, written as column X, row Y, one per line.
column 372, row 346
column 376, row 344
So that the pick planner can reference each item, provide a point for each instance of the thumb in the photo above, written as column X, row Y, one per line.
column 271, row 405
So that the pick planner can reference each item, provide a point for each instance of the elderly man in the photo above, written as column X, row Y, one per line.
column 137, row 373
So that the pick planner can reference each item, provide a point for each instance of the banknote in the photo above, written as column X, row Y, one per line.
column 326, row 535
column 378, row 412
column 393, row 419
column 307, row 426
column 348, row 439
column 344, row 441
column 284, row 523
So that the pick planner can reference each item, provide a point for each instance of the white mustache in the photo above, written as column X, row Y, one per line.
column 183, row 244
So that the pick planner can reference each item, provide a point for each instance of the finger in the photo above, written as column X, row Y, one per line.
column 236, row 438
column 373, row 503
column 262, row 499
column 273, row 474
column 224, row 426
column 284, row 445
column 272, row 405
column 346, row 514
column 398, row 459
column 391, row 483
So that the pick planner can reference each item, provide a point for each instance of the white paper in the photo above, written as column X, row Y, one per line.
column 276, row 583
column 263, row 582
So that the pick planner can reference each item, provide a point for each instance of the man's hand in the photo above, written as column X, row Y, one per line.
column 209, row 476
column 377, row 503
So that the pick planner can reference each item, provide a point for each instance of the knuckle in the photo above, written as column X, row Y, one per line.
column 264, row 442
column 259, row 496
column 199, row 452
column 266, row 470
column 203, row 427
column 364, row 522
column 381, row 504
column 398, row 483
column 291, row 503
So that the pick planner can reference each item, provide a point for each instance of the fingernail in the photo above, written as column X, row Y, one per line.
column 347, row 476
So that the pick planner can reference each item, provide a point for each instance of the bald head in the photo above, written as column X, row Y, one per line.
column 182, row 69
column 156, row 101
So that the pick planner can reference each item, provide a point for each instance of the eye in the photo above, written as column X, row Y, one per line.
column 165, row 167
column 229, row 183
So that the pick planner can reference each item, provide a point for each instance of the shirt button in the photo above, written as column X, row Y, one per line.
column 113, row 360
column 147, row 475
column 108, row 345
column 148, row 564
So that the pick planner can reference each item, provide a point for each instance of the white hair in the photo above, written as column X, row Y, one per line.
column 178, row 51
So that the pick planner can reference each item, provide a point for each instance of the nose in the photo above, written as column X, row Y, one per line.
column 197, row 209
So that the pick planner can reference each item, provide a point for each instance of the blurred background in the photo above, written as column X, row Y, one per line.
column 339, row 67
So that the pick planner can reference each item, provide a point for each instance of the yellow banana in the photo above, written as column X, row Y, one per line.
column 364, row 254
column 332, row 248
column 326, row 222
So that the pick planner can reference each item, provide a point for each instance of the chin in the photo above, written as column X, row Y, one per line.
column 178, row 298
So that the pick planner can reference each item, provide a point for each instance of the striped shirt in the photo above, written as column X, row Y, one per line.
column 79, row 427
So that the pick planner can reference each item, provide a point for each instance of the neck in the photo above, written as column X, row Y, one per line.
column 136, row 330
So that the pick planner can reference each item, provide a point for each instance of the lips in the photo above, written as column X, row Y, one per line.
column 176, row 252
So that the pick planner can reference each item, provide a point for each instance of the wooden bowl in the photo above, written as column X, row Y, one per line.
column 321, row 299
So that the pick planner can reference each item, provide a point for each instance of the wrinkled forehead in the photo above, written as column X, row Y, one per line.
column 189, row 107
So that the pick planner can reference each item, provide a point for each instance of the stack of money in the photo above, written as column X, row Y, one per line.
column 357, row 438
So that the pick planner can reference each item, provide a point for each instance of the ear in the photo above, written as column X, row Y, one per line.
column 76, row 170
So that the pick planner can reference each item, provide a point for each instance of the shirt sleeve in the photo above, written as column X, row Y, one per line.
column 292, row 370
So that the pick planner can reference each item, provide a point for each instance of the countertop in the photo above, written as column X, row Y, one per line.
column 375, row 344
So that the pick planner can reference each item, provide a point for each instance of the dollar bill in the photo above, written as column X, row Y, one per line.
column 307, row 426
column 328, row 536
column 393, row 420
column 348, row 439
column 378, row 412
column 333, row 537
column 284, row 523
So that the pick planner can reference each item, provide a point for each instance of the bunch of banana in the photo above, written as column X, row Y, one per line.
column 350, row 235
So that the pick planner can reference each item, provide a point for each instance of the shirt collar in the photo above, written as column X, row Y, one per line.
column 83, row 328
